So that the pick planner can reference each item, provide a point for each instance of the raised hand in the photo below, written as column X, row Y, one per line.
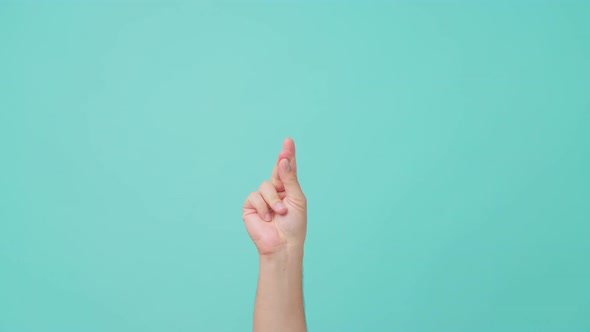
column 276, row 214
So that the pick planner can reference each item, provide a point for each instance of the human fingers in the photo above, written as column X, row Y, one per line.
column 289, row 179
column 288, row 151
column 271, row 197
column 255, row 200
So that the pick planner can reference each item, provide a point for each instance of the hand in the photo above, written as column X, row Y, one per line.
column 276, row 215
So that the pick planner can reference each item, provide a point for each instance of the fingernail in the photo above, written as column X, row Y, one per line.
column 286, row 165
column 267, row 216
column 280, row 206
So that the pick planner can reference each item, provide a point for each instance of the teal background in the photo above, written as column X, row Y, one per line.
column 443, row 148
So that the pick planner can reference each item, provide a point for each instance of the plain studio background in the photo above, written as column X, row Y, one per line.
column 444, row 149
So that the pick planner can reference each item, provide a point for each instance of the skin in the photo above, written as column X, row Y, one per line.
column 275, row 217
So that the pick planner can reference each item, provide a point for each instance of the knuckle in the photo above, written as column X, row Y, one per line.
column 269, row 191
column 265, row 186
column 256, row 199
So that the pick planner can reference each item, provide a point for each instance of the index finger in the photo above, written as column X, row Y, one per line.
column 289, row 153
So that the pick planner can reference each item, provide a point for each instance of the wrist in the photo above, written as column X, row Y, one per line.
column 285, row 255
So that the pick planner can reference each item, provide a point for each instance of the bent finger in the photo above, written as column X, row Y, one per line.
column 260, row 205
column 270, row 195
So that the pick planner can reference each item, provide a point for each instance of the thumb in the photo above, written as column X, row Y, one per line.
column 289, row 179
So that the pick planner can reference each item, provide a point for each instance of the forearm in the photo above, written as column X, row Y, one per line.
column 279, row 296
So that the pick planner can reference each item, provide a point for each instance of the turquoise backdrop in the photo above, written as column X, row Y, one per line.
column 444, row 148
